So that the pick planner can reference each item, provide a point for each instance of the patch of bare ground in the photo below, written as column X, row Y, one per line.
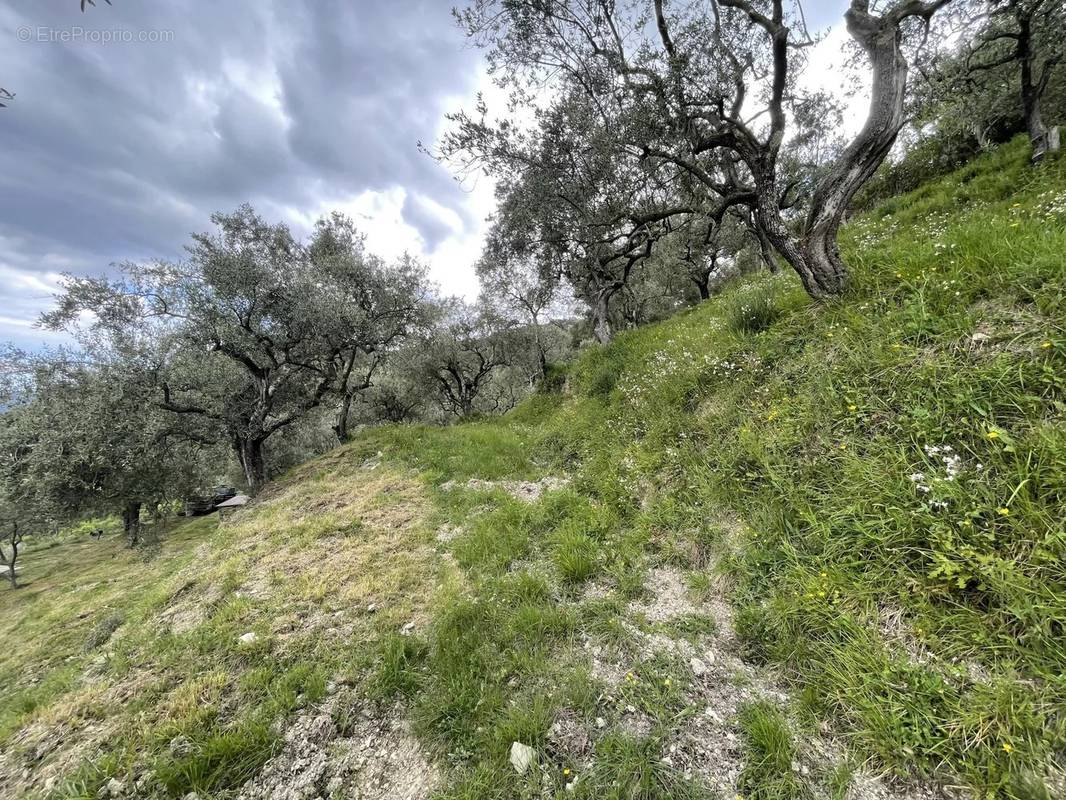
column 448, row 533
column 1002, row 328
column 526, row 491
column 37, row 758
column 569, row 738
column 345, row 749
column 866, row 785
column 901, row 637
column 708, row 743
column 668, row 596
column 189, row 609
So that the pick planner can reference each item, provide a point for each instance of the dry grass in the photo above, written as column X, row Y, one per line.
column 300, row 567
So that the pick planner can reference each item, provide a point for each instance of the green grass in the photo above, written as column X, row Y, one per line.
column 808, row 422
column 879, row 482
column 770, row 772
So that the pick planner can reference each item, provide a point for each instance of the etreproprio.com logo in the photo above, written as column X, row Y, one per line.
column 77, row 34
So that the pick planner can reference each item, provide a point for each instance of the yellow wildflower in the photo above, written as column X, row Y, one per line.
column 1045, row 345
column 1003, row 512
column 992, row 434
column 1008, row 747
column 853, row 407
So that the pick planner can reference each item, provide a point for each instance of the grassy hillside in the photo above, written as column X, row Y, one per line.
column 764, row 548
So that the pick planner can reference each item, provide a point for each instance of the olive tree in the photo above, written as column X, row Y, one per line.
column 466, row 349
column 574, row 203
column 403, row 390
column 711, row 84
column 516, row 288
column 231, row 332
column 1027, row 37
column 82, row 436
column 367, row 308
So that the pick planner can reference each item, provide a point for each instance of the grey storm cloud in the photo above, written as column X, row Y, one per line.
column 120, row 149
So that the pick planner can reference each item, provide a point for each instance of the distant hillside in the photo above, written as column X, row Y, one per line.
column 766, row 549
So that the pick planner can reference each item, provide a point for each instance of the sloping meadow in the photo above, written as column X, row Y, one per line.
column 152, row 675
column 767, row 547
column 878, row 482
column 899, row 459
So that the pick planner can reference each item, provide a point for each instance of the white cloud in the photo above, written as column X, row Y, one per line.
column 827, row 70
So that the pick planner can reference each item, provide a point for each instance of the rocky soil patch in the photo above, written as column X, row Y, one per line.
column 708, row 744
column 345, row 749
column 526, row 491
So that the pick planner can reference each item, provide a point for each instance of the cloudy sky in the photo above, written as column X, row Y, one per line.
column 134, row 122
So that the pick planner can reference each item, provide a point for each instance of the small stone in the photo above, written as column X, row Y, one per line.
column 113, row 788
column 144, row 781
column 699, row 669
column 601, row 722
column 668, row 761
column 191, row 796
column 371, row 608
column 708, row 657
column 407, row 629
column 522, row 756
column 631, row 709
column 180, row 747
column 248, row 638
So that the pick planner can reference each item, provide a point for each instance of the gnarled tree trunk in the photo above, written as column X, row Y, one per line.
column 1032, row 88
column 340, row 417
column 538, row 342
column 601, row 320
column 766, row 250
column 703, row 285
column 9, row 555
column 131, row 522
column 250, row 456
column 814, row 254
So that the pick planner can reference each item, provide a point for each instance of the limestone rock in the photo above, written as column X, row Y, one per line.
column 522, row 757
